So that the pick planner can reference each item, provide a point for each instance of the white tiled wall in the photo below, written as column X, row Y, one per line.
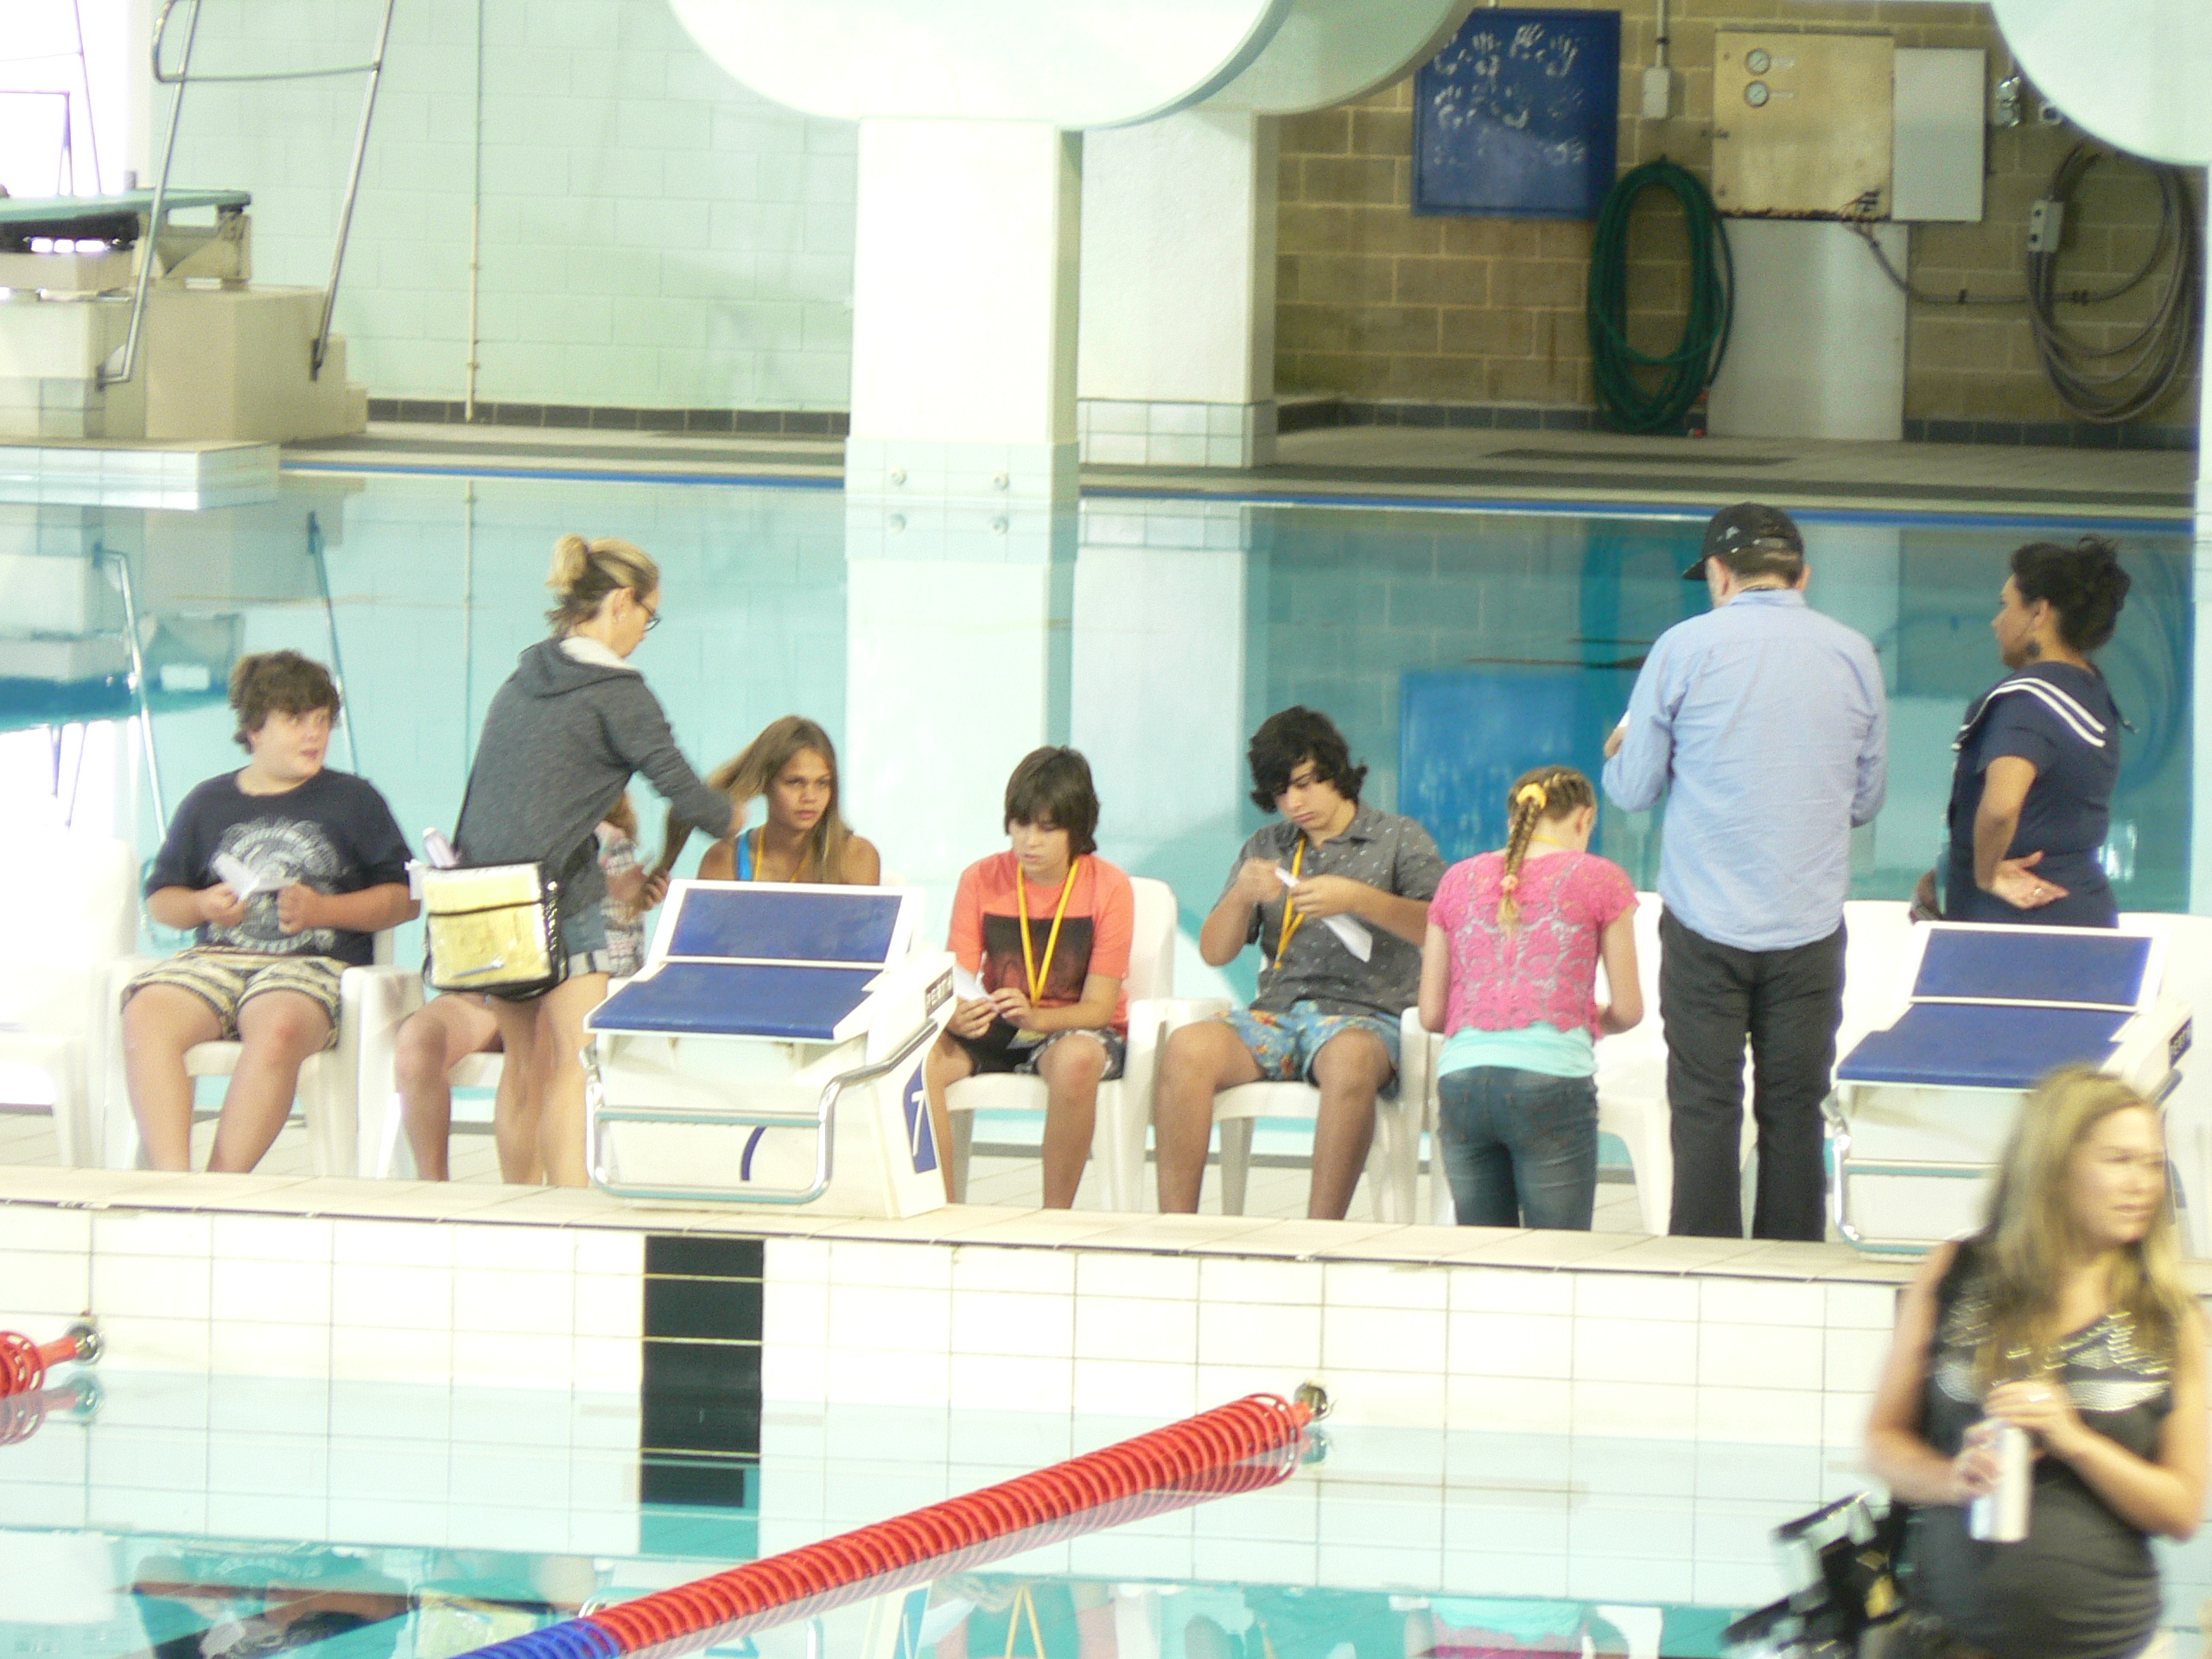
column 1123, row 434
column 653, row 234
column 546, row 1309
column 1681, row 1357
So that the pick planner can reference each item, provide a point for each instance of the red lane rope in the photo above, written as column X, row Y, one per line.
column 23, row 1362
column 1243, row 1446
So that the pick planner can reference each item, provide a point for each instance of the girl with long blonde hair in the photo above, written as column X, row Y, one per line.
column 2068, row 1317
column 793, row 766
column 1510, row 973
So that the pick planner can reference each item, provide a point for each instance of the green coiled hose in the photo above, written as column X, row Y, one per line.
column 1688, row 369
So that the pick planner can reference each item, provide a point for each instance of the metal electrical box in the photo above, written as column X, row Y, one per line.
column 1937, row 167
column 1802, row 125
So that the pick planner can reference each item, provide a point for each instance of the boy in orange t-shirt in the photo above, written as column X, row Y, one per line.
column 1045, row 927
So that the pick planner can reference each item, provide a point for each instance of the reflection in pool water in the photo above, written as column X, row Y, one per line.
column 1455, row 648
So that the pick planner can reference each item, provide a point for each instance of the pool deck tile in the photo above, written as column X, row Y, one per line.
column 998, row 1226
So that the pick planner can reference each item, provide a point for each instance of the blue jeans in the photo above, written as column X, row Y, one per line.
column 1519, row 1148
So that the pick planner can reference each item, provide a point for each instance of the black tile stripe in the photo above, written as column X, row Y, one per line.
column 700, row 1397
column 706, row 1309
column 788, row 422
column 704, row 1255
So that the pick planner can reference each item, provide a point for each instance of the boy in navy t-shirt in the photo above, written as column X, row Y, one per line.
column 286, row 871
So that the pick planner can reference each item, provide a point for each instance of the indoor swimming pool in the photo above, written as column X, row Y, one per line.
column 201, row 1513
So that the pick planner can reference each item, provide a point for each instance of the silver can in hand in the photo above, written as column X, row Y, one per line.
column 2000, row 1516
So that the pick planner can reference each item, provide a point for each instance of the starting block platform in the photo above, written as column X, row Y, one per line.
column 1924, row 1103
column 770, row 1051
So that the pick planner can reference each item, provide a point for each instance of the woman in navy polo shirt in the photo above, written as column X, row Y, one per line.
column 2039, row 753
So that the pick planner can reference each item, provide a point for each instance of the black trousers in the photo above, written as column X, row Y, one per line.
column 1788, row 1004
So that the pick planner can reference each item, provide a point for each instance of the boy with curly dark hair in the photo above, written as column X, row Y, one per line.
column 1330, row 996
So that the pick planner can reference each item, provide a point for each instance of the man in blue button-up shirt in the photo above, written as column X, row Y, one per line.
column 1763, row 724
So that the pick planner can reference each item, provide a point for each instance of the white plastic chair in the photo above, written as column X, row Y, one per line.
column 1124, row 1104
column 75, row 909
column 372, row 1001
column 1392, row 1175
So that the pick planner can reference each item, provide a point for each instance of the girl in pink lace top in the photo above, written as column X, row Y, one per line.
column 1510, row 975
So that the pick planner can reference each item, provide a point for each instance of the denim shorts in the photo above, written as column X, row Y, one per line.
column 583, row 940
column 1284, row 1046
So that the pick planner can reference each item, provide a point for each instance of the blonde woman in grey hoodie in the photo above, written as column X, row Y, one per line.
column 562, row 740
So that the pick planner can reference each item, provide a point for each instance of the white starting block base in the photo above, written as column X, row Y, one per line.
column 883, row 1163
column 1925, row 1103
column 770, row 1053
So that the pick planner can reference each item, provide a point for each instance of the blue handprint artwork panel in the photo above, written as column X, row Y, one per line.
column 1518, row 116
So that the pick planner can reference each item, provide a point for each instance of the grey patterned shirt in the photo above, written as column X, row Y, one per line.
column 1380, row 848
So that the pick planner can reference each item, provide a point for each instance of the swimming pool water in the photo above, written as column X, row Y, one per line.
column 1456, row 648
column 181, row 1505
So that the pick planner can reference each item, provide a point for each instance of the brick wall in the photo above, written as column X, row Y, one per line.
column 1374, row 302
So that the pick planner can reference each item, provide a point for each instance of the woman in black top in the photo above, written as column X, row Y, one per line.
column 2039, row 753
column 2068, row 1316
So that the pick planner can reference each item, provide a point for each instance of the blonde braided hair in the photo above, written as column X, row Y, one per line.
column 1546, row 792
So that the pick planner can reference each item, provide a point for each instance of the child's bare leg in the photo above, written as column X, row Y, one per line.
column 1071, row 1069
column 160, row 1023
column 277, row 1029
column 947, row 1064
column 433, row 1040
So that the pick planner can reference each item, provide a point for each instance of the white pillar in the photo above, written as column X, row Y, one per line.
column 1160, row 671
column 963, row 318
column 956, row 664
column 1176, row 365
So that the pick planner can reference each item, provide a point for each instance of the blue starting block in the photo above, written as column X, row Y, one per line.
column 1924, row 1104
column 770, row 1051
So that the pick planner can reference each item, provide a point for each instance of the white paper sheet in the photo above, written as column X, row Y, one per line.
column 243, row 879
column 1353, row 931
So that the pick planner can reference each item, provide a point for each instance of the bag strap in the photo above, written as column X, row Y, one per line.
column 574, row 860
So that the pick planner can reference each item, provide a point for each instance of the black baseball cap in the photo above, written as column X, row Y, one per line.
column 1747, row 524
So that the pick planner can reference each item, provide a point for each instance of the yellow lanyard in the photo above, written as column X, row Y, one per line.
column 1293, row 918
column 1052, row 940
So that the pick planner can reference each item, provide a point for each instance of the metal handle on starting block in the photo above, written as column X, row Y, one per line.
column 822, row 1121
column 1838, row 1194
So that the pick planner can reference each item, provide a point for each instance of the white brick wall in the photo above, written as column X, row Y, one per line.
column 653, row 234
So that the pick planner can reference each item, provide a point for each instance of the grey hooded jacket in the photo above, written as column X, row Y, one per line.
column 561, row 741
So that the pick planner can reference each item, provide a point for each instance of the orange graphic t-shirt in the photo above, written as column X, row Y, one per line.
column 1094, row 933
